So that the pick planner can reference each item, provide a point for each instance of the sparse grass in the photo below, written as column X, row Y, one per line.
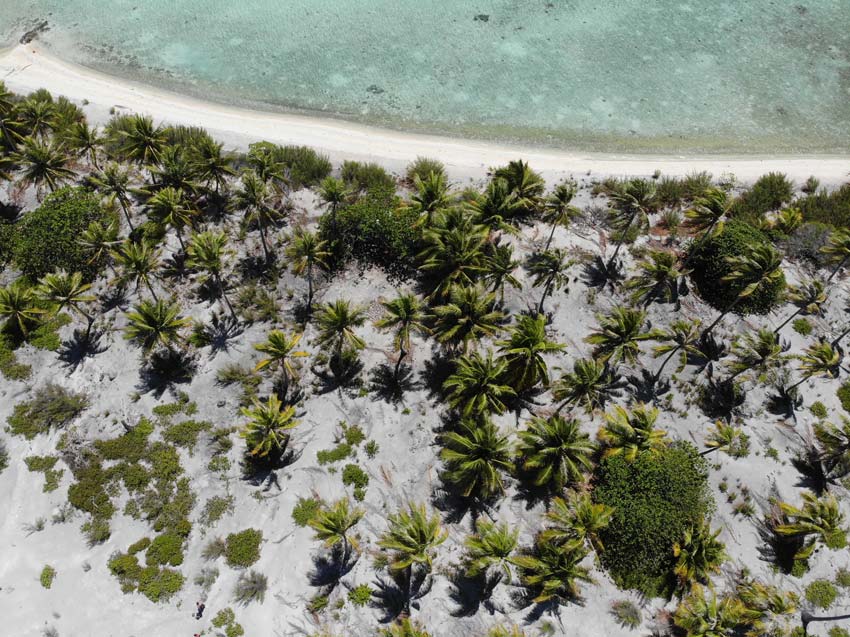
column 251, row 587
column 51, row 407
column 627, row 613
column 337, row 454
column 818, row 410
column 185, row 433
column 843, row 394
column 215, row 508
column 842, row 577
column 802, row 326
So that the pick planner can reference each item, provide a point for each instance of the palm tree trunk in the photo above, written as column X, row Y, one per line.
column 150, row 287
column 546, row 291
column 263, row 240
column 402, row 353
column 126, row 214
column 666, row 360
column 408, row 576
column 788, row 320
column 699, row 243
column 837, row 268
column 551, row 235
column 622, row 239
column 226, row 299
column 731, row 307
column 840, row 337
column 799, row 382
column 309, row 289
column 180, row 239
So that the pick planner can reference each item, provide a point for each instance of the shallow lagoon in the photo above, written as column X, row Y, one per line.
column 636, row 75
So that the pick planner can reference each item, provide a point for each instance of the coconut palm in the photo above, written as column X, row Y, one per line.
column 452, row 256
column 208, row 251
column 728, row 438
column 577, row 518
column 818, row 518
column 476, row 387
column 526, row 185
column 591, row 384
column 834, row 447
column 210, row 163
column 62, row 290
column 552, row 572
column 98, row 240
column 83, row 140
column 332, row 524
column 681, row 337
column 141, row 140
column 699, row 615
column 43, row 163
column 405, row 315
column 336, row 322
column 333, row 193
column 631, row 204
column 430, row 195
column 139, row 263
column 550, row 271
column 265, row 161
column 114, row 183
column 555, row 451
column 174, row 169
column 699, row 554
column 18, row 307
column 498, row 268
column 760, row 350
column 38, row 115
column 809, row 297
column 306, row 253
column 820, row 359
column 660, row 279
column 280, row 351
column 524, row 350
column 557, row 208
column 154, row 324
column 475, row 457
column 256, row 201
column 769, row 610
column 168, row 207
column 467, row 316
column 497, row 208
column 837, row 251
column 707, row 214
column 758, row 268
column 630, row 433
column 411, row 539
column 266, row 433
column 619, row 334
column 490, row 550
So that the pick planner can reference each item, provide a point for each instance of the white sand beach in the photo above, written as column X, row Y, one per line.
column 29, row 67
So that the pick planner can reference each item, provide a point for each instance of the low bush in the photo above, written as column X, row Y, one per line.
column 818, row 410
column 843, row 394
column 422, row 167
column 831, row 208
column 301, row 166
column 48, row 573
column 363, row 176
column 768, row 193
column 4, row 456
column 337, row 454
column 802, row 326
column 243, row 549
column 96, row 530
column 160, row 584
column 226, row 620
column 305, row 510
column 842, row 577
column 360, row 595
column 165, row 549
column 821, row 593
column 10, row 368
column 139, row 546
column 214, row 549
column 805, row 244
column 185, row 434
column 51, row 407
column 215, row 508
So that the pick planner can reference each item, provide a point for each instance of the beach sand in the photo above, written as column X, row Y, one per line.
column 26, row 68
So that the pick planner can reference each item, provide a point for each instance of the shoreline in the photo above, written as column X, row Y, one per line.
column 25, row 68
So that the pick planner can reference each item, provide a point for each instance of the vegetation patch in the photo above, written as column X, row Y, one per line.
column 215, row 509
column 243, row 549
column 226, row 621
column 844, row 395
column 821, row 593
column 45, row 464
column 48, row 574
column 305, row 510
column 51, row 407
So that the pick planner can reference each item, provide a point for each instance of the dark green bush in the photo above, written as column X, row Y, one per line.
column 768, row 193
column 4, row 456
column 844, row 395
column 805, row 243
column 243, row 548
column 46, row 239
column 708, row 260
column 304, row 166
column 655, row 498
column 139, row 546
column 52, row 406
column 159, row 584
column 165, row 549
column 88, row 493
column 363, row 176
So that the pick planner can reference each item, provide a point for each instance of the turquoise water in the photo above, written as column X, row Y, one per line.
column 640, row 75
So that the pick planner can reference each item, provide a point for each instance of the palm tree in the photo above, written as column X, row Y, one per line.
column 139, row 262
column 760, row 350
column 468, row 316
column 264, row 160
column 698, row 555
column 332, row 524
column 477, row 388
column 430, row 196
column 809, row 297
column 452, row 256
column 66, row 290
column 553, row 571
column 526, row 185
column 499, row 266
column 279, row 349
column 591, row 384
column 760, row 267
column 707, row 214
column 210, row 163
column 490, row 550
column 208, row 251
column 557, row 208
column 837, row 251
column 834, row 447
column 577, row 518
column 174, row 169
column 84, row 140
column 255, row 199
column 631, row 433
column 550, row 271
column 142, row 141
column 18, row 307
column 631, row 204
column 412, row 537
column 818, row 517
column 43, row 163
column 660, row 279
column 701, row 616
column 404, row 315
column 333, row 192
column 497, row 208
column 99, row 240
column 267, row 431
column 681, row 337
column 37, row 115
column 619, row 334
column 114, row 183
column 168, row 207
column 769, row 610
column 155, row 323
column 306, row 253
column 475, row 457
column 336, row 322
column 523, row 351
column 820, row 359
column 556, row 451
column 728, row 438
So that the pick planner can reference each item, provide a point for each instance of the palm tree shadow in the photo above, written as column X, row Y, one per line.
column 646, row 388
column 256, row 267
column 598, row 273
column 720, row 399
column 341, row 371
column 389, row 387
column 813, row 475
column 436, row 372
column 261, row 472
column 219, row 332
column 329, row 567
column 390, row 596
column 523, row 599
column 81, row 345
column 164, row 369
column 115, row 296
column 174, row 267
column 468, row 593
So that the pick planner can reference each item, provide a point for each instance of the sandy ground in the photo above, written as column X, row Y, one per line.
column 29, row 67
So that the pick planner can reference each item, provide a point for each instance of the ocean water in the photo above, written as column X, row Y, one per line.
column 740, row 76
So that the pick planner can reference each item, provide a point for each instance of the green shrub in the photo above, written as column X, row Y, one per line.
column 215, row 508
column 354, row 435
column 4, row 456
column 305, row 167
column 655, row 498
column 805, row 243
column 305, row 510
column 46, row 239
column 843, row 394
column 96, row 530
column 52, row 406
column 818, row 410
column 139, row 546
column 422, row 167
column 88, row 493
column 371, row 448
column 159, row 584
column 802, row 326
column 243, row 548
column 40, row 464
column 832, row 208
column 48, row 573
column 768, row 193
column 360, row 595
column 352, row 475
column 9, row 365
column 165, row 549
column 709, row 265
column 363, row 176
column 214, row 549
column 185, row 434
column 46, row 335
column 821, row 593
column 837, row 631
column 226, row 619
column 842, row 577
column 338, row 453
